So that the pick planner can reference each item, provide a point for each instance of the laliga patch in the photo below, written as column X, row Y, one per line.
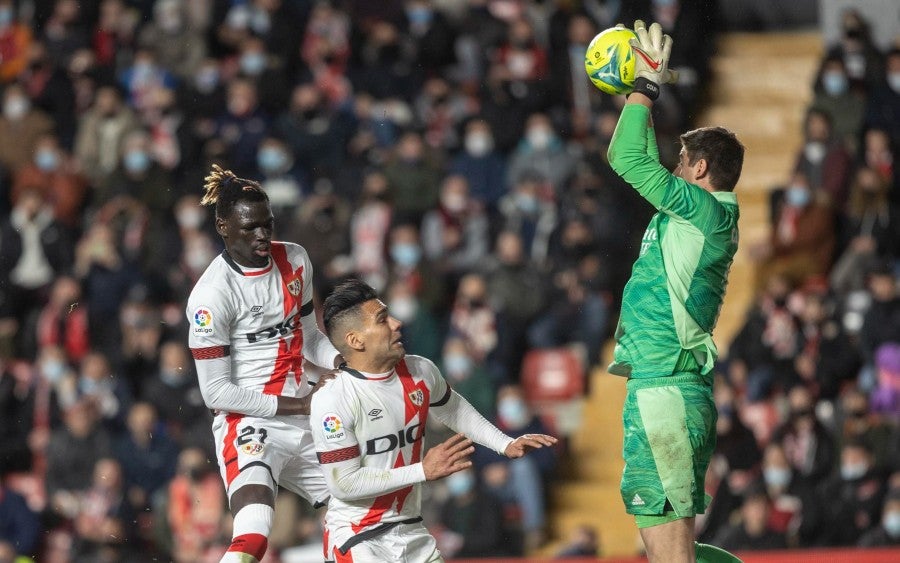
column 417, row 397
column 294, row 287
column 203, row 322
column 332, row 427
column 253, row 448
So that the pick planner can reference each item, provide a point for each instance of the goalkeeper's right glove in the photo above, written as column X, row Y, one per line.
column 651, row 62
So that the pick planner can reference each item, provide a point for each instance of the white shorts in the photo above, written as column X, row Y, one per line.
column 271, row 452
column 403, row 543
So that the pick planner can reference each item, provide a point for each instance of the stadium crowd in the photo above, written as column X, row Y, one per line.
column 453, row 156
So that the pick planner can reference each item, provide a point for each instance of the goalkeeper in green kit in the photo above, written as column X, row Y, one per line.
column 664, row 342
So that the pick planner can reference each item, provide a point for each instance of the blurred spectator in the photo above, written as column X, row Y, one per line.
column 421, row 334
column 266, row 72
column 807, row 443
column 98, row 145
column 860, row 55
column 174, row 394
column 763, row 351
column 280, row 178
column 878, row 154
column 141, row 178
column 471, row 520
column 526, row 211
column 855, row 495
column 177, row 46
column 872, row 231
column 583, row 542
column 516, row 292
column 885, row 397
column 752, row 531
column 860, row 424
column 413, row 179
column 16, row 38
column 888, row 533
column 827, row 359
column 105, row 522
column 144, row 76
column 114, row 34
column 242, row 127
column 72, row 452
column 147, row 456
column 408, row 266
column 63, row 31
column 802, row 241
column 193, row 243
column 316, row 133
column 795, row 509
column 520, row 63
column 455, row 235
column 140, row 328
column 56, row 176
column 20, row 527
column 21, row 126
column 824, row 162
column 369, row 228
column 883, row 100
column 482, row 166
column 541, row 154
column 836, row 96
column 440, row 107
column 473, row 319
column 881, row 323
column 195, row 506
column 467, row 378
column 63, row 321
column 111, row 395
column 321, row 224
column 52, row 90
column 17, row 405
column 521, row 481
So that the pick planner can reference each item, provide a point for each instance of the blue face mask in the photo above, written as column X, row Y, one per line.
column 420, row 15
column 457, row 364
column 6, row 16
column 46, row 160
column 834, row 83
column 271, row 160
column 513, row 413
column 777, row 476
column 53, row 370
column 891, row 523
column 893, row 80
column 136, row 161
column 853, row 471
column 459, row 484
column 405, row 254
column 207, row 80
column 527, row 203
column 253, row 64
column 797, row 196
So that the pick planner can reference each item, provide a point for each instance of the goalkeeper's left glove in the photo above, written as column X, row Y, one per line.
column 651, row 62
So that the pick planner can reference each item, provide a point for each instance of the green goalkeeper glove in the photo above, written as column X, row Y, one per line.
column 651, row 62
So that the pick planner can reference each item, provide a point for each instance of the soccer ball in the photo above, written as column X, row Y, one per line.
column 609, row 61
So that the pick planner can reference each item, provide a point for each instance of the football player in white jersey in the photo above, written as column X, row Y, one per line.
column 251, row 325
column 368, row 425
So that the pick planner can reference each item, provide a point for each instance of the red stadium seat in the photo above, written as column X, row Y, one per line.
column 552, row 375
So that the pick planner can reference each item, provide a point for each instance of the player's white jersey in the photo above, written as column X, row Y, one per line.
column 253, row 316
column 381, row 420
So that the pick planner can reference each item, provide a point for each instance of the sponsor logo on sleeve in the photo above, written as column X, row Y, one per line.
column 332, row 427
column 203, row 321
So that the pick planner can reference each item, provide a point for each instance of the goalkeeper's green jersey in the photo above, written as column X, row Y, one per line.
column 677, row 285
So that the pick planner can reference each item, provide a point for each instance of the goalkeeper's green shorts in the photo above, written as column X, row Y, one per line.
column 670, row 437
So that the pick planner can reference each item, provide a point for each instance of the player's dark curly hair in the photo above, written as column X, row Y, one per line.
column 224, row 189
column 345, row 300
column 723, row 153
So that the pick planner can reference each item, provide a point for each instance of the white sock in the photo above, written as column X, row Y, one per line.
column 250, row 534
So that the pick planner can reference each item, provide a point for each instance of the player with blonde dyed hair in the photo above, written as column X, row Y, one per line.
column 252, row 324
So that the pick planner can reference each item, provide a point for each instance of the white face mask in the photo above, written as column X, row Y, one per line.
column 892, row 524
column 479, row 144
column 404, row 309
column 190, row 218
column 815, row 151
column 539, row 137
column 454, row 202
column 893, row 80
column 16, row 107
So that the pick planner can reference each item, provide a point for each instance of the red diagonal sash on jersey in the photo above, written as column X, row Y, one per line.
column 290, row 355
column 229, row 452
column 411, row 390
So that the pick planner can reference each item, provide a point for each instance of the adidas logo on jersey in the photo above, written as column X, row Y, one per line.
column 637, row 500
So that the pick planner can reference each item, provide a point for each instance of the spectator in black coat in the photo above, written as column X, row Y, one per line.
column 888, row 533
column 795, row 510
column 854, row 495
column 752, row 532
column 808, row 444
column 148, row 456
column 827, row 359
column 472, row 520
column 19, row 525
column 882, row 321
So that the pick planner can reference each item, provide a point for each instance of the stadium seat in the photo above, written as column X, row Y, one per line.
column 552, row 375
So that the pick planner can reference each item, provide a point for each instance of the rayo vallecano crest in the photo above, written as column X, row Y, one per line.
column 417, row 397
column 294, row 287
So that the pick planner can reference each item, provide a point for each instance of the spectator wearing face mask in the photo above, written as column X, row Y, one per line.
column 836, row 96
column 98, row 383
column 881, row 323
column 421, row 333
column 471, row 520
column 413, row 178
column 174, row 393
column 455, row 235
column 281, row 178
column 858, row 423
column 468, row 378
column 21, row 126
column 409, row 266
column 887, row 534
column 15, row 38
column 242, row 127
column 884, row 99
column 527, row 212
column 520, row 481
column 474, row 320
column 542, row 152
column 809, row 446
column 63, row 321
column 752, row 531
column 824, row 160
column 855, row 495
column 795, row 509
column 266, row 70
column 483, row 167
column 802, row 239
column 177, row 45
column 98, row 145
column 140, row 177
column 55, row 174
column 195, row 506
